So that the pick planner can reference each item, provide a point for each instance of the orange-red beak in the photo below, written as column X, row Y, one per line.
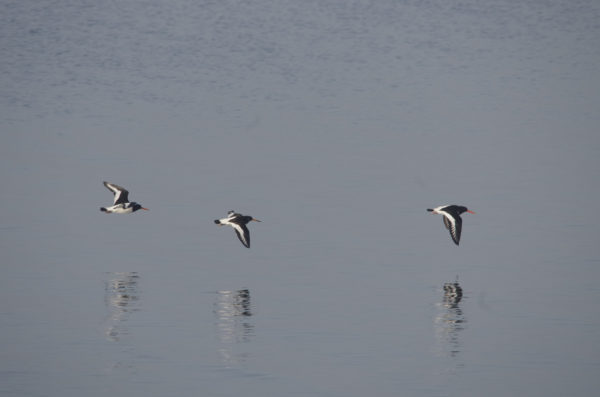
column 145, row 209
column 470, row 212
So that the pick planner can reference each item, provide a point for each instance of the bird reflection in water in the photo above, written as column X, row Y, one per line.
column 122, row 299
column 450, row 320
column 233, row 311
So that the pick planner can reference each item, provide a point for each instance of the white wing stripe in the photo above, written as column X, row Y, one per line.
column 117, row 190
column 452, row 223
column 241, row 232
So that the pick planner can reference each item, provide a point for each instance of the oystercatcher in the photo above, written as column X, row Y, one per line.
column 452, row 219
column 121, row 204
column 238, row 222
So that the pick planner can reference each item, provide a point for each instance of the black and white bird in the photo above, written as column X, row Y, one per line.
column 238, row 222
column 121, row 204
column 452, row 219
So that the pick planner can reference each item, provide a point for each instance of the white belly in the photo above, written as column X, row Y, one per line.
column 118, row 209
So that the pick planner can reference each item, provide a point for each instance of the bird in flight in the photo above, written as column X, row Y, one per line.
column 452, row 219
column 121, row 204
column 238, row 222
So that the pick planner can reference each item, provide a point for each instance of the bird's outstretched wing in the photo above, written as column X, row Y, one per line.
column 121, row 194
column 454, row 225
column 243, row 233
column 446, row 222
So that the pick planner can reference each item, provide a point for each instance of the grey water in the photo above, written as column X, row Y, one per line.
column 336, row 123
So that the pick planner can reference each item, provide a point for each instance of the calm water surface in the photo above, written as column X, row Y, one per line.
column 337, row 124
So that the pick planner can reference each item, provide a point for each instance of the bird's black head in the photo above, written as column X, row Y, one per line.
column 217, row 221
column 461, row 209
column 429, row 209
column 137, row 206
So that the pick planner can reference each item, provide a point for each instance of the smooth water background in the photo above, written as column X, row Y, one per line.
column 337, row 123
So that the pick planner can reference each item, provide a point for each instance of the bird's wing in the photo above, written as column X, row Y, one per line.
column 121, row 194
column 454, row 225
column 242, row 233
column 446, row 222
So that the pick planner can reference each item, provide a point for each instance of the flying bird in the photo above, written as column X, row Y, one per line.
column 238, row 222
column 121, row 204
column 452, row 219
